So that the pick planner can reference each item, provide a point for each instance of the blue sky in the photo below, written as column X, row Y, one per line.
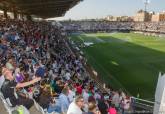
column 101, row 8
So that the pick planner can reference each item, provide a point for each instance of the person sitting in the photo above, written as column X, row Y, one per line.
column 102, row 106
column 19, row 77
column 76, row 106
column 112, row 110
column 64, row 100
column 57, row 85
column 45, row 97
column 92, row 108
column 54, row 106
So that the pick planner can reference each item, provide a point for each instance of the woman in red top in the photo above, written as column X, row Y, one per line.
column 79, row 89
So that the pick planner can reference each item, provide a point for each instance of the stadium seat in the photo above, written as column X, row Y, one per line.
column 43, row 111
column 39, row 108
column 36, row 104
column 10, row 109
column 1, row 96
column 8, row 106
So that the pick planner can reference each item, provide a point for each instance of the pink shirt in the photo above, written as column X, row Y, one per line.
column 112, row 111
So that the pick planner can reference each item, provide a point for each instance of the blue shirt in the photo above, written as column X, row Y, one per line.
column 64, row 102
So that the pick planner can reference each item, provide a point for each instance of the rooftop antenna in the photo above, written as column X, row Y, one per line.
column 146, row 3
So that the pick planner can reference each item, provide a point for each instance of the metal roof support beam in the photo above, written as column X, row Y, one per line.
column 5, row 13
column 15, row 14
column 50, row 2
column 22, row 16
column 29, row 17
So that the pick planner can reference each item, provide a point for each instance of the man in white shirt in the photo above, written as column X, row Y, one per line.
column 76, row 105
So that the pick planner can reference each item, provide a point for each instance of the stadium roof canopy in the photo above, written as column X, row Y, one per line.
column 39, row 8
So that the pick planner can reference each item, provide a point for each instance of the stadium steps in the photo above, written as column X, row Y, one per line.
column 97, row 81
column 2, row 108
column 33, row 110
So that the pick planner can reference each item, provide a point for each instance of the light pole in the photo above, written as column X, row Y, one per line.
column 146, row 2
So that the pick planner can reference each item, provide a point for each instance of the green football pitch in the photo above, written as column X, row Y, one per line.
column 125, row 60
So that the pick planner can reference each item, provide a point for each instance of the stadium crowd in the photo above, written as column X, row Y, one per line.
column 157, row 27
column 94, row 25
column 37, row 67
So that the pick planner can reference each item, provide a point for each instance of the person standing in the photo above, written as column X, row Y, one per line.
column 9, row 89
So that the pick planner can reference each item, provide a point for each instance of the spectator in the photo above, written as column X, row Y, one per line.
column 85, row 95
column 45, row 97
column 54, row 106
column 71, row 94
column 9, row 86
column 112, row 109
column 76, row 106
column 116, row 99
column 126, row 105
column 64, row 100
column 102, row 106
column 92, row 108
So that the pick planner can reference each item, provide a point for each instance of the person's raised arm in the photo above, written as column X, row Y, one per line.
column 20, row 85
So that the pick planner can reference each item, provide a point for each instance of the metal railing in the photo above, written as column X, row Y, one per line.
column 142, row 105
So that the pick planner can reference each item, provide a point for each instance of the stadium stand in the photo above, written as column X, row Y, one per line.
column 28, row 46
column 25, row 48
column 94, row 26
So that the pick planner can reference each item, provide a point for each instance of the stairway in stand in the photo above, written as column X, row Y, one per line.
column 33, row 110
